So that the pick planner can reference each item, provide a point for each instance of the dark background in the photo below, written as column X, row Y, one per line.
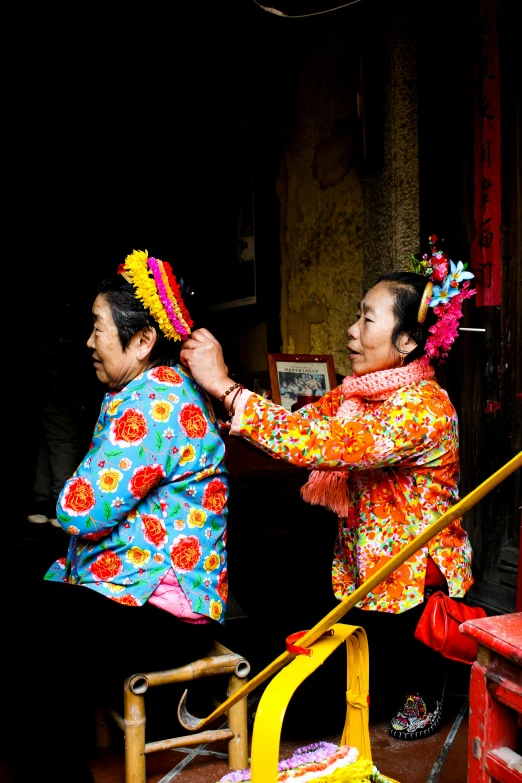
column 125, row 131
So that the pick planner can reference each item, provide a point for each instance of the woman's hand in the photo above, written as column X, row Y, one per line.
column 203, row 355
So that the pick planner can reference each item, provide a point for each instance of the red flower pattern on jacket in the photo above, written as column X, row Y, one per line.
column 79, row 497
column 193, row 421
column 154, row 530
column 127, row 600
column 222, row 585
column 129, row 429
column 166, row 375
column 145, row 478
column 186, row 553
column 106, row 566
column 96, row 536
column 215, row 496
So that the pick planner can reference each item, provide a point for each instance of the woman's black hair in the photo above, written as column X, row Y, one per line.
column 130, row 316
column 407, row 289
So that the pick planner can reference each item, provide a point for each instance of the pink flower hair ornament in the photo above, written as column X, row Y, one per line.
column 447, row 288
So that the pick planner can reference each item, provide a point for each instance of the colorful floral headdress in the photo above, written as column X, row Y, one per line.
column 158, row 290
column 447, row 288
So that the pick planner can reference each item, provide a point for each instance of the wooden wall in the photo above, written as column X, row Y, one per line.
column 483, row 374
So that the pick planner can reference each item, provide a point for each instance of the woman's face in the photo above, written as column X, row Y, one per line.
column 370, row 344
column 115, row 367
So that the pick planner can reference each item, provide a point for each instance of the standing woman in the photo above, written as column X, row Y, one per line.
column 144, row 581
column 383, row 451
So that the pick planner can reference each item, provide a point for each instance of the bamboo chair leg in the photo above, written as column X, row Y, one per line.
column 237, row 722
column 134, row 723
column 103, row 735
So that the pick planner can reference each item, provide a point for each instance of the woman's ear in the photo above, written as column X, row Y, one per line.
column 406, row 344
column 145, row 342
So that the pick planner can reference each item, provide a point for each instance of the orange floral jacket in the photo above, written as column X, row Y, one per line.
column 402, row 466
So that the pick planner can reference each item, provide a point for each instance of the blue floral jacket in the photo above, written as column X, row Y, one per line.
column 150, row 494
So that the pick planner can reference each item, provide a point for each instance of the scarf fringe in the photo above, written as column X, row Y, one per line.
column 329, row 489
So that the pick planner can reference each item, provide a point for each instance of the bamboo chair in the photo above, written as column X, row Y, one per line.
column 219, row 661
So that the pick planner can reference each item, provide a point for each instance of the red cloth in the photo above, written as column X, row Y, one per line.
column 434, row 576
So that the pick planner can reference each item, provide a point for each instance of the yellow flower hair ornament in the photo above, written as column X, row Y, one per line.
column 159, row 292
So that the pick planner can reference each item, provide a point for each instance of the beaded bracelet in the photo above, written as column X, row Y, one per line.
column 231, row 409
column 225, row 394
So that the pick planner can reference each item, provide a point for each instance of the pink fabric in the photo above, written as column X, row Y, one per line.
column 239, row 409
column 169, row 596
column 328, row 488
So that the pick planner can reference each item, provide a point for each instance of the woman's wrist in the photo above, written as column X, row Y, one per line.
column 220, row 389
column 233, row 397
column 228, row 397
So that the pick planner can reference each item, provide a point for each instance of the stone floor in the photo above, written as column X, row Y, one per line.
column 405, row 762
column 441, row 758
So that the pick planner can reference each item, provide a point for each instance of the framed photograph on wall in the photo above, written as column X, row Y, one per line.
column 300, row 375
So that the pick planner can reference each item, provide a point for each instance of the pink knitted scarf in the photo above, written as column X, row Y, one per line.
column 329, row 487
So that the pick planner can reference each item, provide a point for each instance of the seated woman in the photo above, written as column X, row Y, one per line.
column 383, row 450
column 146, row 513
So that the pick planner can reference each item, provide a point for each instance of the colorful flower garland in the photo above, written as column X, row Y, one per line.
column 321, row 762
column 159, row 292
column 447, row 297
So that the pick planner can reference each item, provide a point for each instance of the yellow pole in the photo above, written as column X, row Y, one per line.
column 358, row 594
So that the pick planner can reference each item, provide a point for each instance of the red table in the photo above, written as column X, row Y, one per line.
column 495, row 699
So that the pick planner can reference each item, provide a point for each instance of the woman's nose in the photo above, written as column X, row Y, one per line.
column 90, row 343
column 353, row 331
